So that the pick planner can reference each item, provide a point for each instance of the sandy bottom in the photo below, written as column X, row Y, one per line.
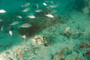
column 69, row 40
column 62, row 46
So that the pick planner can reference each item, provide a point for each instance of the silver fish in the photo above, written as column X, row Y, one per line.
column 50, row 15
column 25, row 25
column 14, row 23
column 2, row 11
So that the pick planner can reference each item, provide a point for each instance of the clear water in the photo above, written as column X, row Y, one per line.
column 44, row 29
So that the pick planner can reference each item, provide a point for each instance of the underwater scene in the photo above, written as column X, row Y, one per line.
column 44, row 29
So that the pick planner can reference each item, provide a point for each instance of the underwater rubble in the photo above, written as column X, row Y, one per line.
column 38, row 41
column 45, row 35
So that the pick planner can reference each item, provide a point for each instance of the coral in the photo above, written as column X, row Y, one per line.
column 38, row 40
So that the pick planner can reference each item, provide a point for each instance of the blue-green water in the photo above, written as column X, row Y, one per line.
column 44, row 29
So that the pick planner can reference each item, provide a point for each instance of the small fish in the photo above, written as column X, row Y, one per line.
column 50, row 15
column 2, row 28
column 37, row 5
column 38, row 10
column 52, row 6
column 2, row 11
column 32, row 16
column 24, row 36
column 53, row 11
column 25, row 5
column 25, row 25
column 44, row 4
column 25, row 10
column 19, row 16
column 14, row 23
column 10, row 32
